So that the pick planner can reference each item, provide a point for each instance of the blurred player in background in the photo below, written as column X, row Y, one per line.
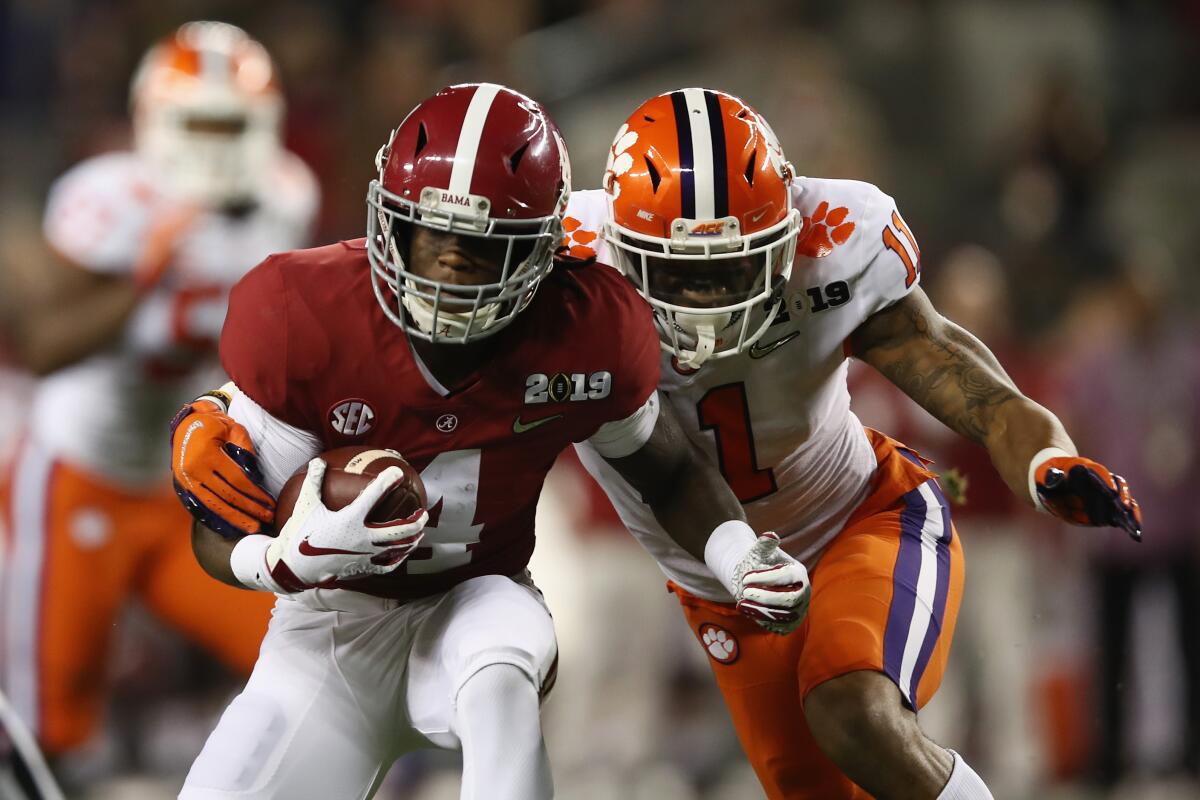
column 427, row 337
column 763, row 284
column 143, row 248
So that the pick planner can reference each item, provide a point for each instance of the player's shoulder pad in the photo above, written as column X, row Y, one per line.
column 98, row 213
column 614, row 325
column 583, row 223
column 598, row 291
column 293, row 191
column 282, row 319
column 852, row 223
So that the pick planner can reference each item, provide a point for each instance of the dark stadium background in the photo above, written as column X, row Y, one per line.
column 1046, row 155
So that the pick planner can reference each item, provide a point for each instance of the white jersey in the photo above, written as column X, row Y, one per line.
column 777, row 418
column 107, row 412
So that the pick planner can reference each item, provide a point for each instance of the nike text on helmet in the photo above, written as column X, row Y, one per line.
column 701, row 219
column 477, row 160
column 206, row 112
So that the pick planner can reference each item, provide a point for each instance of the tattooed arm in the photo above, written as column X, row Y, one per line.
column 954, row 377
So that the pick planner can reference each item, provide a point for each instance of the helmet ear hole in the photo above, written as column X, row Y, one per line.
column 515, row 159
column 655, row 178
column 422, row 140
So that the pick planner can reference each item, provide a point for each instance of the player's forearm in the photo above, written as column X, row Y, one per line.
column 1019, row 430
column 691, row 503
column 52, row 336
column 213, row 551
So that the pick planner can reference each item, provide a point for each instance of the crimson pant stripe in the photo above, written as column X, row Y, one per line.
column 687, row 163
column 939, row 599
column 716, row 127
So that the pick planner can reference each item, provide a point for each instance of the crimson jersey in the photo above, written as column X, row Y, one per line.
column 306, row 339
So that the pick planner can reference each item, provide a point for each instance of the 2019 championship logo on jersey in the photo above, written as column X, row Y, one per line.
column 561, row 387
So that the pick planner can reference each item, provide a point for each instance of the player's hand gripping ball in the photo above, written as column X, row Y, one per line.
column 352, row 512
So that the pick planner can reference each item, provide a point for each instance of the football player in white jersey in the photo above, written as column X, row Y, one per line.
column 143, row 247
column 764, row 283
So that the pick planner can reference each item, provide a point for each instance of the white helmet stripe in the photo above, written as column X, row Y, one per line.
column 702, row 153
column 214, row 66
column 469, row 136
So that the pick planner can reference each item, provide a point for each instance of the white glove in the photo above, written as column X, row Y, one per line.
column 317, row 546
column 771, row 587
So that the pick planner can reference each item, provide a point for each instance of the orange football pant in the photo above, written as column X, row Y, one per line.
column 75, row 550
column 885, row 596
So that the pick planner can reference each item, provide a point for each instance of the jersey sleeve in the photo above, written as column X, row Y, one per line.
column 624, row 437
column 296, row 197
column 583, row 224
column 282, row 448
column 255, row 339
column 638, row 359
column 892, row 259
column 99, row 214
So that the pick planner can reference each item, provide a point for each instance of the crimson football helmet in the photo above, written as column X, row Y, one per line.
column 206, row 112
column 477, row 160
column 700, row 219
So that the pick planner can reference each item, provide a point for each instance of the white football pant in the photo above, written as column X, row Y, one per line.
column 346, row 683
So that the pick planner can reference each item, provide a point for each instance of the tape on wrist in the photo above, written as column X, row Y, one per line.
column 222, row 397
column 727, row 545
column 249, row 563
column 1039, row 458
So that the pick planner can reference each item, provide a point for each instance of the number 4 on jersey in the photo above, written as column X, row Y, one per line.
column 452, row 489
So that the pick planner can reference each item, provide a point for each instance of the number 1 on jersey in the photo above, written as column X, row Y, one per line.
column 725, row 411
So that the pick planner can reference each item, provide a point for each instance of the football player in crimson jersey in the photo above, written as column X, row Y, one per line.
column 121, row 320
column 763, row 284
column 445, row 335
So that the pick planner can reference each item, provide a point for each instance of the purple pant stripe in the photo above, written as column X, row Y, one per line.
column 904, row 584
column 939, row 602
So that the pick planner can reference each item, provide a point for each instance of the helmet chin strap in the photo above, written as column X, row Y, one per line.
column 703, row 328
column 453, row 323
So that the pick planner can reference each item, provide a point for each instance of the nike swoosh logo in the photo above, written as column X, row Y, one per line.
column 759, row 351
column 307, row 549
column 521, row 427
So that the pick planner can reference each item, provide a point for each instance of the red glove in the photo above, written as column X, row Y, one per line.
column 215, row 468
column 1084, row 492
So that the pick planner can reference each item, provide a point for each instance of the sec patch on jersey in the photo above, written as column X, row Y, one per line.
column 350, row 470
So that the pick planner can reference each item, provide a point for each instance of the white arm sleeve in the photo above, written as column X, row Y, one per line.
column 282, row 448
column 624, row 437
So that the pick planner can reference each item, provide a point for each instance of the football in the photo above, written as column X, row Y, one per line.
column 349, row 470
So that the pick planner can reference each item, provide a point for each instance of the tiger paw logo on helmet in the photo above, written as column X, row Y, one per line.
column 823, row 231
column 719, row 643
column 619, row 159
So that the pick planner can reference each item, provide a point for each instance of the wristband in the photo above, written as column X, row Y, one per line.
column 222, row 398
column 727, row 545
column 249, row 563
column 1039, row 458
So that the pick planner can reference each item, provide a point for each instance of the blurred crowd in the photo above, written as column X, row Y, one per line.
column 1046, row 155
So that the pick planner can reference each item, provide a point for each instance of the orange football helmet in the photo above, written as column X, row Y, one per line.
column 701, row 220
column 206, row 112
